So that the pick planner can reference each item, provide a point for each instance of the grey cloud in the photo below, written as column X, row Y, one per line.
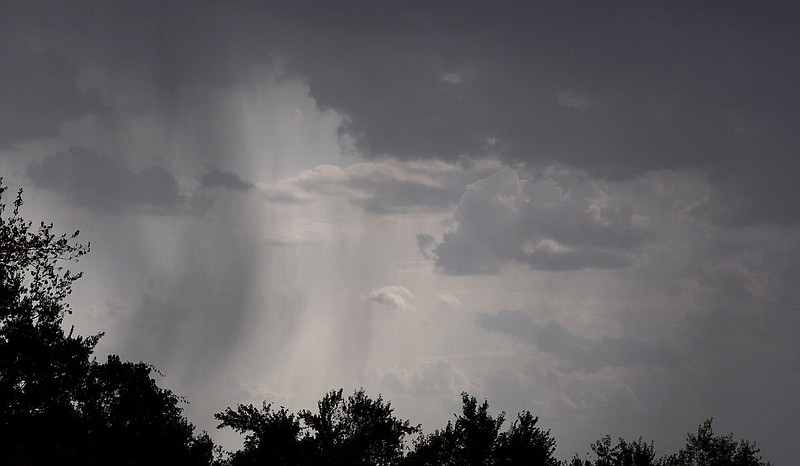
column 699, row 86
column 215, row 178
column 427, row 246
column 581, row 352
column 384, row 186
column 38, row 91
column 702, row 87
column 437, row 380
column 102, row 182
column 557, row 220
column 199, row 315
column 575, row 101
column 392, row 296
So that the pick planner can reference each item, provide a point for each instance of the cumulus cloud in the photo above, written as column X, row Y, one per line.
column 556, row 220
column 575, row 350
column 449, row 300
column 391, row 296
column 102, row 182
column 215, row 178
column 427, row 246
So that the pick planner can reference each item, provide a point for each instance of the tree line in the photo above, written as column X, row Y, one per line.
column 60, row 405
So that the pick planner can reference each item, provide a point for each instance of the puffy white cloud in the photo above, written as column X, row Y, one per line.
column 449, row 300
column 392, row 296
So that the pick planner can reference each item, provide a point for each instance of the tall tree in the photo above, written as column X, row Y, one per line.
column 636, row 453
column 131, row 420
column 272, row 437
column 356, row 430
column 475, row 440
column 707, row 449
column 57, row 405
column 42, row 369
column 524, row 443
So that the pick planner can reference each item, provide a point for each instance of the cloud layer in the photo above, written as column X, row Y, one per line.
column 89, row 179
column 625, row 170
column 556, row 220
column 575, row 350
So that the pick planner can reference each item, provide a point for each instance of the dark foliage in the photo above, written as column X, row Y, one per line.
column 57, row 405
column 133, row 421
column 707, row 449
column 524, row 443
column 702, row 449
column 475, row 440
column 354, row 431
column 273, row 437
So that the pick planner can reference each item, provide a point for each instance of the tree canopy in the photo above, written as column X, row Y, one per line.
column 356, row 430
column 58, row 405
column 475, row 440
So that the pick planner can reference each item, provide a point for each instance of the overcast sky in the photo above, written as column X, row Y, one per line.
column 587, row 210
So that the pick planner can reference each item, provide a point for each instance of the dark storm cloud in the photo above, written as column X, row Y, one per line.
column 38, row 91
column 216, row 178
column 581, row 352
column 556, row 220
column 102, row 182
column 162, row 59
column 612, row 89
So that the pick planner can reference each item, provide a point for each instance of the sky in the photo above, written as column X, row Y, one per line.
column 588, row 210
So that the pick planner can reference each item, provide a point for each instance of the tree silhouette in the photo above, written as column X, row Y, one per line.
column 707, row 449
column 636, row 453
column 42, row 369
column 475, row 440
column 133, row 421
column 524, row 443
column 702, row 449
column 344, row 431
column 57, row 405
column 273, row 437
column 356, row 430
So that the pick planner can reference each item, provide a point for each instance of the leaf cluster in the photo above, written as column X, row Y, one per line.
column 475, row 439
column 356, row 430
